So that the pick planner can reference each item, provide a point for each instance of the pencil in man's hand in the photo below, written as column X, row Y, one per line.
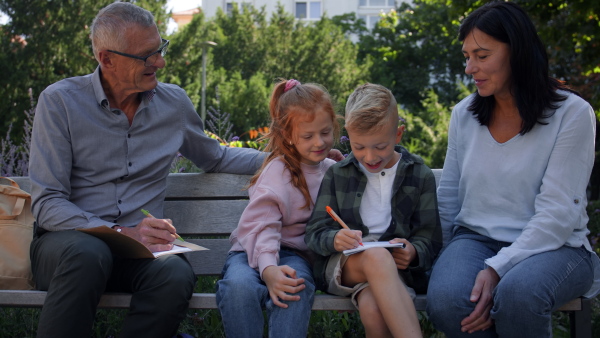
column 338, row 219
column 148, row 214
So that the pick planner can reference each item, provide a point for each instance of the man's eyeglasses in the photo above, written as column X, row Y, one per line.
column 150, row 59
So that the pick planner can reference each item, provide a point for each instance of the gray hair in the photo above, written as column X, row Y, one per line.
column 370, row 107
column 109, row 26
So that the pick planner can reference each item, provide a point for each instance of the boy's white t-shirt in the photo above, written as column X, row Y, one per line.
column 376, row 205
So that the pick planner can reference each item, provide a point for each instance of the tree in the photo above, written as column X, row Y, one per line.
column 252, row 53
column 44, row 42
column 413, row 50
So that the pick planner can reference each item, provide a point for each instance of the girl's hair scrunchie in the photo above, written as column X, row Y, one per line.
column 291, row 83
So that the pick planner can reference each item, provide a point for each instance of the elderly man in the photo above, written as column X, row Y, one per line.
column 101, row 150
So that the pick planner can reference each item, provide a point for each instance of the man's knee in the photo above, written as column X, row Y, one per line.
column 74, row 261
column 178, row 272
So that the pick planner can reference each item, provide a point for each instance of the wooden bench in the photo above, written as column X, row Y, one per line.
column 207, row 207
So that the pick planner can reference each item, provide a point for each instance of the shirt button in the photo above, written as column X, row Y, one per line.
column 576, row 201
column 120, row 202
column 383, row 173
column 359, row 194
column 128, row 135
column 130, row 164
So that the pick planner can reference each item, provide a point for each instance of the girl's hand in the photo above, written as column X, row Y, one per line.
column 347, row 239
column 335, row 155
column 282, row 283
column 403, row 256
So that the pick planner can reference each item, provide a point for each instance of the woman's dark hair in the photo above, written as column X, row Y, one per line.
column 533, row 89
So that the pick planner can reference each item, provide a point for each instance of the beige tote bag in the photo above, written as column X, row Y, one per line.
column 16, row 232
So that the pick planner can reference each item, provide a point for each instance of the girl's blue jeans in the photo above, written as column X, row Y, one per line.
column 523, row 299
column 242, row 296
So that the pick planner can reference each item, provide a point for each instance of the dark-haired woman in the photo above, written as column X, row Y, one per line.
column 512, row 196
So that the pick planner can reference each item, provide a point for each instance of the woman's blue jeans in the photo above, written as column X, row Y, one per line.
column 242, row 295
column 525, row 296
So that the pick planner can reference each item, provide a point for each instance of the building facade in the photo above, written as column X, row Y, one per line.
column 309, row 10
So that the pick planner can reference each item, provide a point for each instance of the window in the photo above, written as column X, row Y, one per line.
column 370, row 20
column 377, row 3
column 308, row 10
column 241, row 5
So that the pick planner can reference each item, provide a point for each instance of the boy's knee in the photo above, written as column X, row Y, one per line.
column 378, row 258
column 370, row 314
column 367, row 303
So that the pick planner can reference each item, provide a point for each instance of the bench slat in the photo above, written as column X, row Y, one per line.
column 17, row 298
column 199, row 218
column 207, row 186
column 209, row 262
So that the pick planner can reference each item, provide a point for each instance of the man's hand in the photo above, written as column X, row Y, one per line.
column 482, row 292
column 156, row 234
column 403, row 256
column 347, row 239
column 282, row 283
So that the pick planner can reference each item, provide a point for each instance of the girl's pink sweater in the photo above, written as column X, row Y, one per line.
column 275, row 217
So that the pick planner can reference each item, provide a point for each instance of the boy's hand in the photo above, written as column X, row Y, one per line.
column 282, row 283
column 403, row 256
column 347, row 239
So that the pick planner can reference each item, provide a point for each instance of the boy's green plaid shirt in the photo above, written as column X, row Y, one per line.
column 414, row 213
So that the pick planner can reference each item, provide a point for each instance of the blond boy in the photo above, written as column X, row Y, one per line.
column 383, row 193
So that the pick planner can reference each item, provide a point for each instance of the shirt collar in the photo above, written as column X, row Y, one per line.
column 406, row 158
column 101, row 96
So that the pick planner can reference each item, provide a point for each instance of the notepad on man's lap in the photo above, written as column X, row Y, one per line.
column 128, row 247
column 368, row 245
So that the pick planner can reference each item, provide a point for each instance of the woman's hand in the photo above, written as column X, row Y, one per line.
column 347, row 239
column 403, row 256
column 282, row 283
column 482, row 292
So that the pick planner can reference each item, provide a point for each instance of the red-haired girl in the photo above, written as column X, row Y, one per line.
column 269, row 265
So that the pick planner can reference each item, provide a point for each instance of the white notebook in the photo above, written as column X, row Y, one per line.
column 368, row 245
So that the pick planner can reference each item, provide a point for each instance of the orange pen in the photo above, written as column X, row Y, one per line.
column 338, row 219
